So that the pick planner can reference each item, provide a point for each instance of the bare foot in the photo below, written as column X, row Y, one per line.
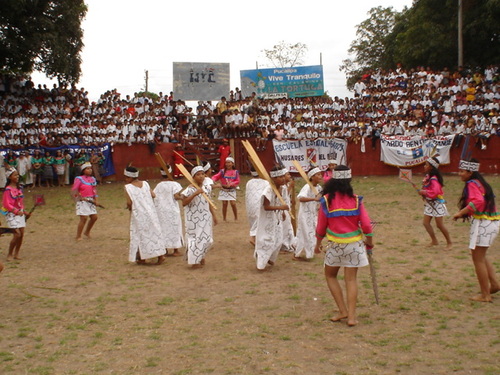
column 338, row 317
column 433, row 244
column 161, row 259
column 196, row 266
column 270, row 262
column 480, row 298
column 300, row 259
column 202, row 262
column 494, row 289
column 17, row 258
column 87, row 235
column 9, row 258
column 140, row 261
column 78, row 238
column 176, row 253
column 449, row 246
column 352, row 322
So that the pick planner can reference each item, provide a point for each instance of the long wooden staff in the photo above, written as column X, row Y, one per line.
column 373, row 272
column 183, row 158
column 164, row 166
column 261, row 170
column 304, row 176
column 188, row 176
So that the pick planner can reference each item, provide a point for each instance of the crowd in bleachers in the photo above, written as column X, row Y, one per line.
column 395, row 102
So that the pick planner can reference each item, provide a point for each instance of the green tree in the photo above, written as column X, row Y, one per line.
column 43, row 35
column 286, row 54
column 369, row 48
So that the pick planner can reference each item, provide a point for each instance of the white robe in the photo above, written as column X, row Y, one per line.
column 199, row 227
column 253, row 194
column 169, row 213
column 289, row 239
column 145, row 229
column 307, row 220
column 269, row 238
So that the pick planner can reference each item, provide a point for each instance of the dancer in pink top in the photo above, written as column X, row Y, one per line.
column 343, row 220
column 13, row 209
column 229, row 179
column 84, row 192
column 478, row 202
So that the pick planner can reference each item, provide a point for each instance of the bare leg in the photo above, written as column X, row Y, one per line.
column 479, row 260
column 430, row 230
column 336, row 292
column 494, row 284
column 350, row 274
column 444, row 230
column 93, row 219
column 235, row 210
column 13, row 243
column 19, row 242
column 81, row 225
column 224, row 210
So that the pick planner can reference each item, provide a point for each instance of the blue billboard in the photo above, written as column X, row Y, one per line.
column 291, row 82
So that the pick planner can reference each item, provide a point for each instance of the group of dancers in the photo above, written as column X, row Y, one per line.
column 328, row 208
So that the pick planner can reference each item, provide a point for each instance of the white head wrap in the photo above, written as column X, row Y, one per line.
column 85, row 165
column 207, row 167
column 312, row 172
column 229, row 158
column 342, row 175
column 169, row 169
column 196, row 169
column 8, row 172
column 433, row 162
column 278, row 173
column 331, row 161
column 254, row 174
column 130, row 174
column 468, row 166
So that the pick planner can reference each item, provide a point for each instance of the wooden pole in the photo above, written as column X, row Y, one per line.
column 164, row 166
column 304, row 176
column 261, row 170
column 188, row 176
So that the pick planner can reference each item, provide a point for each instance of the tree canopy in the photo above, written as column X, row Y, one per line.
column 425, row 35
column 42, row 35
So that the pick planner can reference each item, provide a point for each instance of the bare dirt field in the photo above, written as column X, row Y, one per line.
column 81, row 308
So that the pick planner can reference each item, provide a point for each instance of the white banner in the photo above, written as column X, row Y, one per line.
column 403, row 151
column 200, row 81
column 310, row 152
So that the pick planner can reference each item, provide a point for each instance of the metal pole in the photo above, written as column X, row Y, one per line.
column 460, row 37
column 147, row 79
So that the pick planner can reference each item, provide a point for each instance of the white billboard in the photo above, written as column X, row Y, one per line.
column 200, row 81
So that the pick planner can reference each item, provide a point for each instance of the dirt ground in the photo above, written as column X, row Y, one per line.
column 81, row 308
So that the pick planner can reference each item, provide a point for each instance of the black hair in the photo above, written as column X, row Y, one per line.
column 434, row 172
column 342, row 186
column 489, row 197
column 131, row 169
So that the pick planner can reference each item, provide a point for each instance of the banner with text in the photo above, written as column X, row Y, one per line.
column 310, row 152
column 294, row 82
column 406, row 151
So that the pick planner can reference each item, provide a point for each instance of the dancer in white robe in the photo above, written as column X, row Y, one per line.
column 199, row 221
column 146, row 238
column 167, row 206
column 253, row 195
column 269, row 238
column 308, row 215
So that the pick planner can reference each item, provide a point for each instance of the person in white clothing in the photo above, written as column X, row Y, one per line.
column 146, row 239
column 167, row 195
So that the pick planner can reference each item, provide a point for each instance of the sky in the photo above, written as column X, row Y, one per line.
column 124, row 38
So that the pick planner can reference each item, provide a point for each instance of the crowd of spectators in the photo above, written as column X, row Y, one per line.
column 395, row 102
